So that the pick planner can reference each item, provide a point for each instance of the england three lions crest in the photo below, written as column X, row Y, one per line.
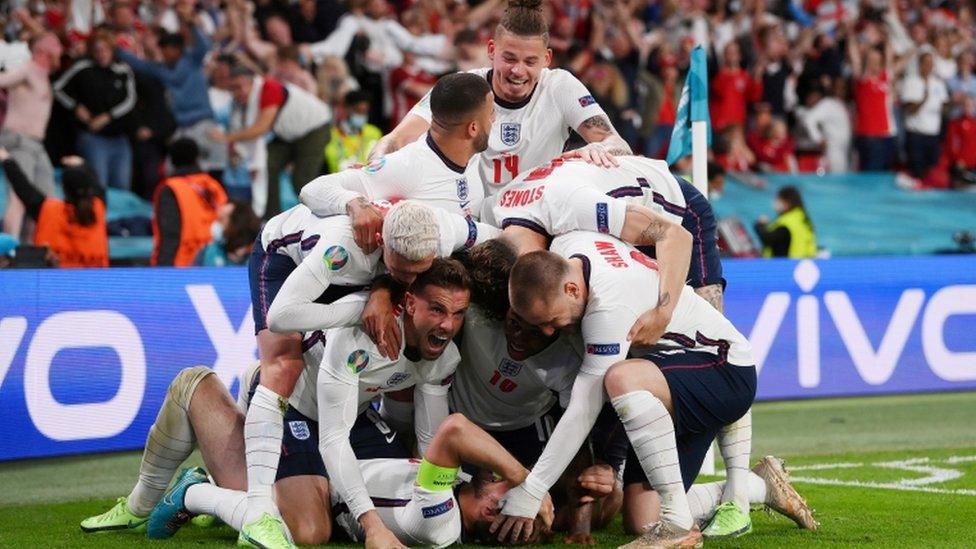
column 511, row 132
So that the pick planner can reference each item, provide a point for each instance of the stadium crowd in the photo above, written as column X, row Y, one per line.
column 249, row 88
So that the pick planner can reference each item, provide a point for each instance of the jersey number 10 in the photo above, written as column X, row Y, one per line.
column 510, row 163
column 506, row 385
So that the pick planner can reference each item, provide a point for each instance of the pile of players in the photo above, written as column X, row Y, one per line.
column 468, row 340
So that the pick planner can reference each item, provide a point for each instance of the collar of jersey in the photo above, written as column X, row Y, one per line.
column 509, row 104
column 440, row 154
column 586, row 268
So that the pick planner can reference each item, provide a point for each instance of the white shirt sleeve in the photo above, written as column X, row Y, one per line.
column 422, row 108
column 459, row 233
column 336, row 44
column 431, row 45
column 390, row 176
column 294, row 308
column 574, row 101
column 567, row 438
column 338, row 400
column 605, row 338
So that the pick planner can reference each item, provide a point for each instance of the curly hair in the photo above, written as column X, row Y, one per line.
column 488, row 264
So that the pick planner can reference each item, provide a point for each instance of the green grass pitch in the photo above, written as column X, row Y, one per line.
column 880, row 472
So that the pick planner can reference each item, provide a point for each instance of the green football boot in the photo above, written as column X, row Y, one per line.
column 728, row 522
column 117, row 518
column 265, row 533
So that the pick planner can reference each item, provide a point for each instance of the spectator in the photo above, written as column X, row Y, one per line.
column 288, row 68
column 186, row 205
column 775, row 149
column 181, row 72
column 29, row 100
column 874, row 119
column 470, row 50
column 960, row 146
column 74, row 229
column 732, row 90
column 352, row 135
column 314, row 20
column 924, row 97
column 101, row 92
column 775, row 68
column 234, row 232
column 963, row 85
column 827, row 123
column 732, row 152
column 334, row 80
column 409, row 83
column 791, row 233
column 298, row 120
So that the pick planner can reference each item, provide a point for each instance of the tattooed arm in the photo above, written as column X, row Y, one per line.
column 672, row 243
column 714, row 295
column 604, row 142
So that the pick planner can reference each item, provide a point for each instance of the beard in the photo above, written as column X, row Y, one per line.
column 481, row 142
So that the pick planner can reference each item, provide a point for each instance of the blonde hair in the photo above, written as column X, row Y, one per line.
column 410, row 229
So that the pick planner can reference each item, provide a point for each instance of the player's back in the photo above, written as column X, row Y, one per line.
column 623, row 284
column 495, row 391
column 563, row 188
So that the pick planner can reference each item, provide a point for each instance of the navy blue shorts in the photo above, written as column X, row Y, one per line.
column 705, row 268
column 268, row 270
column 608, row 440
column 699, row 220
column 707, row 394
column 370, row 438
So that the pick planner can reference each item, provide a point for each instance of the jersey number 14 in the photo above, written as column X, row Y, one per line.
column 510, row 163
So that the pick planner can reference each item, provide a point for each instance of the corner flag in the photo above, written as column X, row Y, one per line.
column 693, row 107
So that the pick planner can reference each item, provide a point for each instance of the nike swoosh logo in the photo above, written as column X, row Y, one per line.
column 465, row 204
column 390, row 438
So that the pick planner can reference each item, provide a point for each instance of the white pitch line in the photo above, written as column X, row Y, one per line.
column 823, row 466
column 961, row 459
column 883, row 485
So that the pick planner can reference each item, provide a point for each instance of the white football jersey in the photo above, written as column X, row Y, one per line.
column 298, row 233
column 419, row 171
column 570, row 194
column 499, row 393
column 532, row 132
column 417, row 517
column 350, row 356
column 623, row 284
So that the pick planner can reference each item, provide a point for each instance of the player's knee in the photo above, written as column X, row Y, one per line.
column 185, row 383
column 309, row 531
column 282, row 374
column 454, row 425
column 621, row 378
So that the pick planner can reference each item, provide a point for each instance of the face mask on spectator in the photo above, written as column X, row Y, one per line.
column 356, row 121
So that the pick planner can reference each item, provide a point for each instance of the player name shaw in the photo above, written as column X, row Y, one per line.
column 609, row 253
column 514, row 198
